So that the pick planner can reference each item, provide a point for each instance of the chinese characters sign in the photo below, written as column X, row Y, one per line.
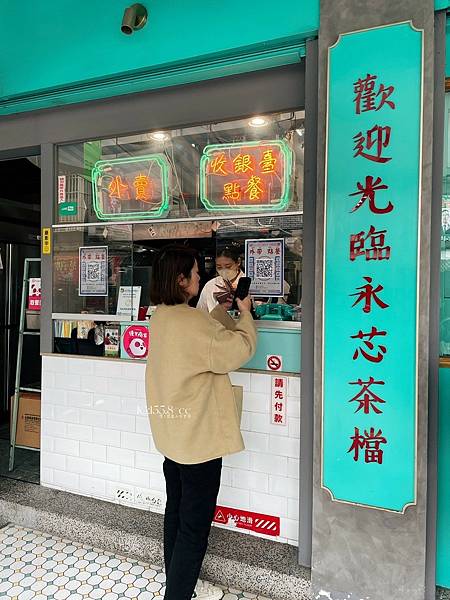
column 134, row 342
column 130, row 188
column 34, row 293
column 244, row 519
column 264, row 264
column 246, row 176
column 278, row 400
column 93, row 271
column 372, row 209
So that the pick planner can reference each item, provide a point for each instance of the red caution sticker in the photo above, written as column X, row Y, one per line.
column 244, row 519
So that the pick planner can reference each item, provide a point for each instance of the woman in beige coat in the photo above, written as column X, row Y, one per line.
column 194, row 410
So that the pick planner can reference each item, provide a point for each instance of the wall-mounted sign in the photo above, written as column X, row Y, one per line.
column 372, row 210
column 34, row 293
column 131, row 188
column 244, row 519
column 134, row 341
column 128, row 301
column 46, row 240
column 65, row 208
column 264, row 264
column 93, row 271
column 278, row 400
column 249, row 176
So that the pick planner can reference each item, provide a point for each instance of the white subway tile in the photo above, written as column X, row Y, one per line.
column 64, row 381
column 79, row 465
column 94, row 418
column 149, row 461
column 80, row 399
column 47, row 411
column 242, row 379
column 81, row 366
column 294, row 427
column 233, row 498
column 48, row 379
column 111, row 487
column 51, row 460
column 260, row 384
column 46, row 442
column 293, row 508
column 261, row 423
column 137, row 477
column 268, row 504
column 157, row 482
column 135, row 441
column 93, row 451
column 289, row 529
column 130, row 405
column 256, row 402
column 92, row 486
column 293, row 407
column 66, row 481
column 282, row 446
column 67, row 414
column 292, row 543
column 268, row 463
column 250, row 480
column 226, row 477
column 240, row 460
column 246, row 420
column 107, row 403
column 106, row 368
column 121, row 387
column 83, row 433
column 121, row 422
column 133, row 370
column 69, row 447
column 140, row 391
column 92, row 383
column 106, row 437
column 294, row 384
column 143, row 425
column 283, row 486
column 104, row 470
column 53, row 429
column 294, row 468
column 46, row 476
column 55, row 363
column 257, row 442
column 120, row 456
column 58, row 397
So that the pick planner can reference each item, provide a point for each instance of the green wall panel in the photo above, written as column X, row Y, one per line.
column 53, row 45
column 443, row 520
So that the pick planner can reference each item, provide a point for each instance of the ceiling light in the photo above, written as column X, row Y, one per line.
column 159, row 136
column 258, row 122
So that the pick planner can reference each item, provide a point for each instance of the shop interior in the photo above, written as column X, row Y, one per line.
column 20, row 207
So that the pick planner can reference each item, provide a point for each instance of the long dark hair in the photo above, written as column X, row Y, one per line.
column 172, row 261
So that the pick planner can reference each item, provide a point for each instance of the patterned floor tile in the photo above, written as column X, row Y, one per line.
column 37, row 566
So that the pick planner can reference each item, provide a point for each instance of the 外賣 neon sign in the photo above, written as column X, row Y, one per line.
column 246, row 176
column 130, row 188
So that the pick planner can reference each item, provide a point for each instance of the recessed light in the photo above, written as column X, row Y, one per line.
column 159, row 136
column 258, row 122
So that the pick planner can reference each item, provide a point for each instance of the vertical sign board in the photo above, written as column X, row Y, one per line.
column 371, row 242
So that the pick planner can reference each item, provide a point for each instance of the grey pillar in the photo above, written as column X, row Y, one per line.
column 361, row 553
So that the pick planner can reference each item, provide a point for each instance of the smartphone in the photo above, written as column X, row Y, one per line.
column 242, row 290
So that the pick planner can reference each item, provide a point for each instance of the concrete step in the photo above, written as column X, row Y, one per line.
column 233, row 559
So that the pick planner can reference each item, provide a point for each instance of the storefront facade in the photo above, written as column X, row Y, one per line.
column 145, row 153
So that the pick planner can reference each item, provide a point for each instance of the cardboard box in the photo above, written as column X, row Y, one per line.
column 28, row 420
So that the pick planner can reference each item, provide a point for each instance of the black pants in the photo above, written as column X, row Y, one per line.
column 191, row 500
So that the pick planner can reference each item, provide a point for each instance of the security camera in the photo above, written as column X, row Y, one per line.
column 134, row 18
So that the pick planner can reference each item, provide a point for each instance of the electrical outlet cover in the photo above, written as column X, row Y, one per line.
column 125, row 494
column 149, row 500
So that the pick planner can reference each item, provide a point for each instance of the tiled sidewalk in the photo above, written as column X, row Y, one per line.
column 37, row 566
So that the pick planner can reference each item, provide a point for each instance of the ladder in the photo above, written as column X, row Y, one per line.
column 17, row 387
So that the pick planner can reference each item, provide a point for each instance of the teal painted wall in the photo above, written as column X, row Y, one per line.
column 47, row 45
column 443, row 521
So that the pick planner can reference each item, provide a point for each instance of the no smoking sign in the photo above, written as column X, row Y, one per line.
column 274, row 362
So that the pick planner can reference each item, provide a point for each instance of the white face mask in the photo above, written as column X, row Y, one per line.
column 227, row 274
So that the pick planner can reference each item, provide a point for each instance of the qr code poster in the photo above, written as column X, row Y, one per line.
column 264, row 264
column 93, row 271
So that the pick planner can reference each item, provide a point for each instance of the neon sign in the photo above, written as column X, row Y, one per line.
column 246, row 176
column 130, row 188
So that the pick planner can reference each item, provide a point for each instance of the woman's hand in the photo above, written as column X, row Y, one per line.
column 244, row 305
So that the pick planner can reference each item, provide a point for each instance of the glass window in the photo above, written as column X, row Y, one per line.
column 253, row 165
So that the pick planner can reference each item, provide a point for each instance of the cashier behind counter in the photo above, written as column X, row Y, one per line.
column 221, row 289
